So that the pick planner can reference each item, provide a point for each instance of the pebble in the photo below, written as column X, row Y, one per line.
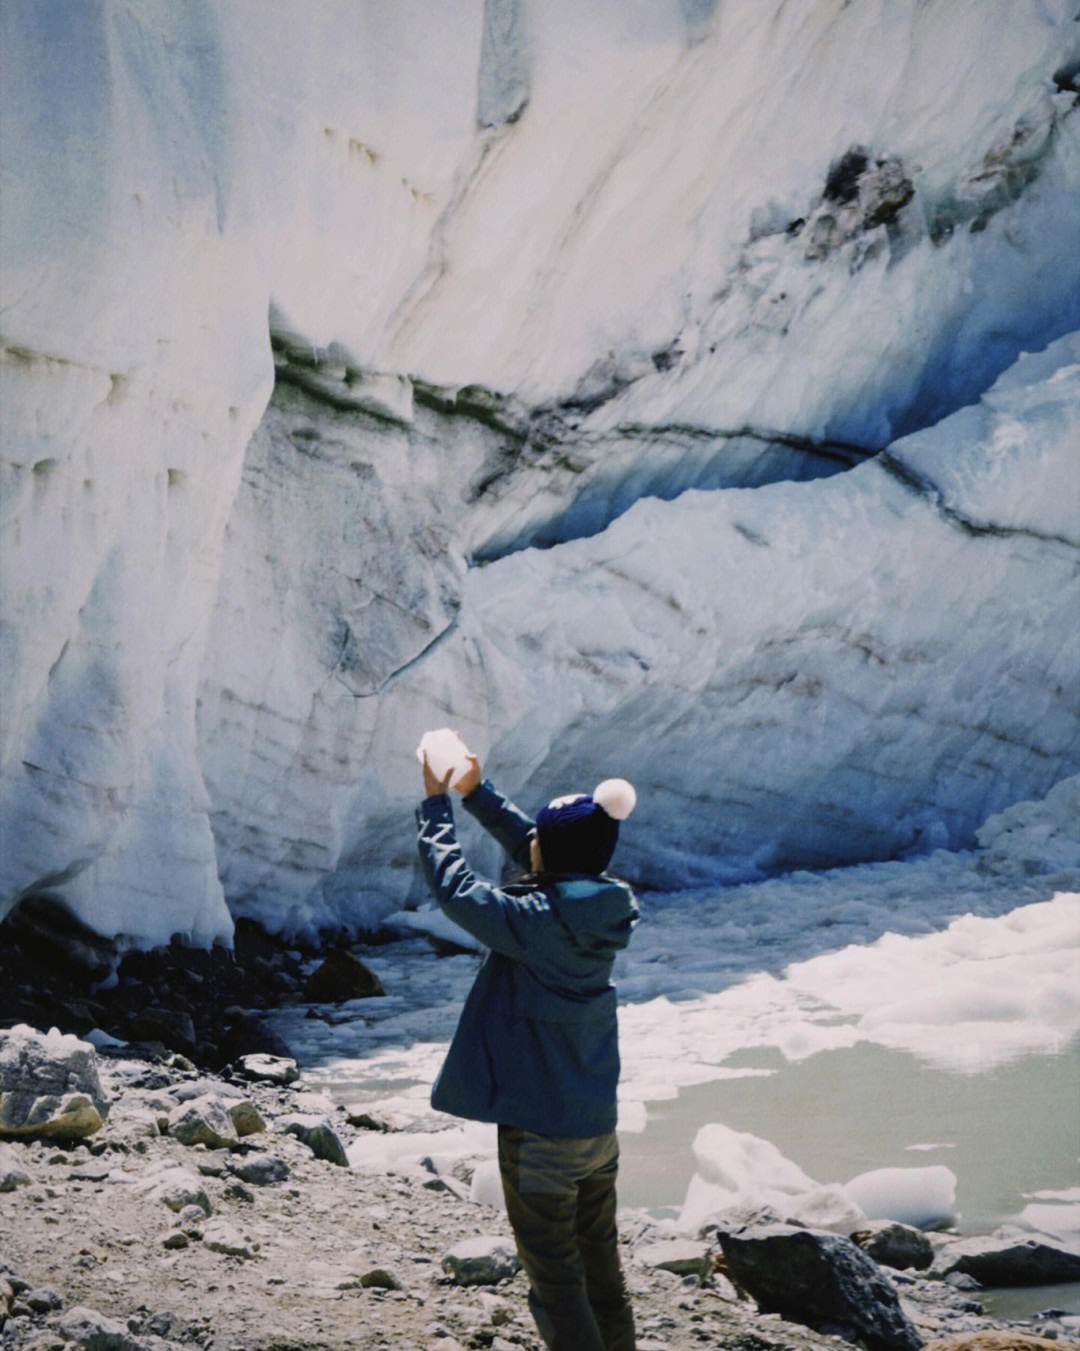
column 481, row 1261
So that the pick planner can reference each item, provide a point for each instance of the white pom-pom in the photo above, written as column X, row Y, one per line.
column 617, row 797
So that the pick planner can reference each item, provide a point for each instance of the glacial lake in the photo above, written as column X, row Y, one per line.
column 1009, row 1133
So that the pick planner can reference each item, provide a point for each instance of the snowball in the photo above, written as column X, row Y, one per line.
column 446, row 753
column 617, row 797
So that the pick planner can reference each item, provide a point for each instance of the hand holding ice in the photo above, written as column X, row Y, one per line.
column 446, row 754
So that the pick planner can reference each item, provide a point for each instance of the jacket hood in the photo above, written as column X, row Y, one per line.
column 599, row 912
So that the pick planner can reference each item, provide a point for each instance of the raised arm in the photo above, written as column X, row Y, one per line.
column 499, row 921
column 500, row 818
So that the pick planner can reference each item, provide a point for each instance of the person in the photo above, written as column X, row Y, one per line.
column 536, row 1047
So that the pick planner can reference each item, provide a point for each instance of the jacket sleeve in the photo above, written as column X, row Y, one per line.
column 501, row 922
column 500, row 818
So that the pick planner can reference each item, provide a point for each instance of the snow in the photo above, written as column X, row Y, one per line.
column 226, row 627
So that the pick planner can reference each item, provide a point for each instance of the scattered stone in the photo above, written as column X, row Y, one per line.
column 994, row 1339
column 1006, row 1260
column 42, row 1301
column 246, row 1118
column 317, row 1133
column 192, row 1220
column 49, row 1086
column 273, row 1069
column 175, row 1238
column 194, row 1088
column 95, row 1332
column 496, row 1311
column 819, row 1279
column 236, row 1191
column 684, row 1257
column 204, row 1121
column 220, row 1236
column 261, row 1169
column 378, row 1278
column 177, row 1188
column 481, row 1261
column 342, row 976
column 173, row 1028
column 895, row 1245
column 46, row 1341
column 12, row 1174
column 245, row 1035
column 361, row 1119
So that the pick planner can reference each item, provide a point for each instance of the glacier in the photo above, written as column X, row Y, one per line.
column 683, row 391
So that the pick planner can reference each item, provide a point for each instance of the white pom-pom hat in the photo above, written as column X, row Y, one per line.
column 578, row 834
column 617, row 797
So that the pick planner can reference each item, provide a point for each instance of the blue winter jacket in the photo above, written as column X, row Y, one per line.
column 537, row 1043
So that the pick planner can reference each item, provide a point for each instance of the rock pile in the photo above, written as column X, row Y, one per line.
column 201, row 1003
column 218, row 1208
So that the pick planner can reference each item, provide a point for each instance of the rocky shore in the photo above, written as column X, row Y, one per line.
column 182, row 1189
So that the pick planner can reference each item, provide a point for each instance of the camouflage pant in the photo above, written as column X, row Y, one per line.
column 560, row 1197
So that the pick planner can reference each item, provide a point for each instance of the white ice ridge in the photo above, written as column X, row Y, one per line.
column 713, row 246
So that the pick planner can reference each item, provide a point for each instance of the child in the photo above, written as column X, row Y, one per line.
column 536, row 1048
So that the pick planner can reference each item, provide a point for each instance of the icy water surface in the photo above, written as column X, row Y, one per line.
column 850, row 1021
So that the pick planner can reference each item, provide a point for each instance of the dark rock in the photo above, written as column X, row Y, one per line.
column 819, row 1279
column 842, row 181
column 261, row 1169
column 319, row 1136
column 50, row 937
column 895, row 1245
column 481, row 1261
column 247, row 1035
column 379, row 1279
column 1006, row 1261
column 268, row 1068
column 342, row 976
column 364, row 1120
column 43, row 1301
column 172, row 1027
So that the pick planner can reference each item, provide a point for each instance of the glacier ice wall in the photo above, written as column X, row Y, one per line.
column 636, row 285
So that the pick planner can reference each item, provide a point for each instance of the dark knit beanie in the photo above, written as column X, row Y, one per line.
column 578, row 834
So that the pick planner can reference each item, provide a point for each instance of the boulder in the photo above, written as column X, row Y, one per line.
column 319, row 1136
column 481, row 1261
column 261, row 1169
column 177, row 1188
column 819, row 1279
column 1008, row 1260
column 378, row 1278
column 895, row 1245
column 220, row 1236
column 245, row 1034
column 342, row 976
column 49, row 1086
column 246, row 1118
column 50, row 937
column 174, row 1028
column 94, row 1332
column 274, row 1069
column 684, row 1257
column 203, row 1121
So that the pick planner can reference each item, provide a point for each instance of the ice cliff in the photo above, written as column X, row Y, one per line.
column 685, row 391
